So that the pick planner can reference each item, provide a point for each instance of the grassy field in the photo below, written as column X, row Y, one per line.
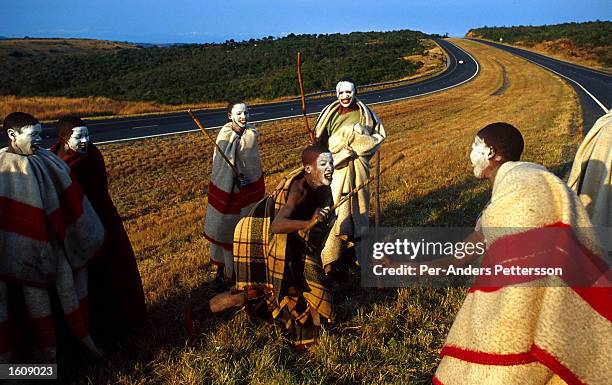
column 19, row 48
column 393, row 337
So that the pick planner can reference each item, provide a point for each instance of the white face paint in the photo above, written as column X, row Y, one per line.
column 78, row 140
column 26, row 140
column 480, row 156
column 345, row 92
column 240, row 115
column 324, row 169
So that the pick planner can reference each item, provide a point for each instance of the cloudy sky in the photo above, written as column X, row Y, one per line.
column 165, row 21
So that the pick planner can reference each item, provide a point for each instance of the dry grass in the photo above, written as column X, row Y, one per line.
column 563, row 49
column 159, row 186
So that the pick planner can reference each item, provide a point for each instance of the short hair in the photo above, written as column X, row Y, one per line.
column 231, row 105
column 311, row 153
column 18, row 120
column 66, row 124
column 505, row 139
column 348, row 80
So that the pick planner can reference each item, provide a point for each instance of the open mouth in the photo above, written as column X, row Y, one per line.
column 328, row 175
column 345, row 101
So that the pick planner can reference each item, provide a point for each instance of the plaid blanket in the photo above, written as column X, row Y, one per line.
column 260, row 265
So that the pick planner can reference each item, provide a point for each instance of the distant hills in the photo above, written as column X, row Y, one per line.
column 587, row 43
column 194, row 73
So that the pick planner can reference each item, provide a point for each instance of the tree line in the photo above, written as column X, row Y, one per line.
column 593, row 34
column 191, row 73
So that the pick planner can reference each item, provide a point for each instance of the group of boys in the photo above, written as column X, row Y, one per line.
column 285, row 250
column 63, row 241
column 67, row 262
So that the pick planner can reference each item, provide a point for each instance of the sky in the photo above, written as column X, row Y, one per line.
column 193, row 21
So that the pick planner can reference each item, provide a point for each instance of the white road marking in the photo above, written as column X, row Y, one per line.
column 153, row 125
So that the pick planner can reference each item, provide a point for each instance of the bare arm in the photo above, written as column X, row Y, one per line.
column 283, row 225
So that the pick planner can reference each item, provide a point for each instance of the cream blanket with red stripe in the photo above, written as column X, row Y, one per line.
column 226, row 202
column 43, row 213
column 556, row 330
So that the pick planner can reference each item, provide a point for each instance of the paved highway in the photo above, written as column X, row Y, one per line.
column 594, row 88
column 123, row 129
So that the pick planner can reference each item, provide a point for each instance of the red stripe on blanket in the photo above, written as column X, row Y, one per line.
column 71, row 209
column 23, row 219
column 436, row 381
column 5, row 337
column 84, row 306
column 43, row 331
column 76, row 323
column 555, row 365
column 599, row 298
column 487, row 358
column 232, row 203
column 226, row 246
column 551, row 246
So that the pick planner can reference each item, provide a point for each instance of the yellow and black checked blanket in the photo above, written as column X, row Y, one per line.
column 260, row 265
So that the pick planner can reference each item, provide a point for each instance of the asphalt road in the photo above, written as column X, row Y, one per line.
column 123, row 129
column 594, row 88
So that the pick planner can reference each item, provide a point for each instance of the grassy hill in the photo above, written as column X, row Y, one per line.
column 588, row 43
column 46, row 48
column 262, row 68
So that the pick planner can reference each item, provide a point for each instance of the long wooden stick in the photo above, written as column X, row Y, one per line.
column 355, row 190
column 219, row 150
column 311, row 136
column 377, row 212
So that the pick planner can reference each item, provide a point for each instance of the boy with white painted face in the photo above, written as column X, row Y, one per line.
column 353, row 133
column 48, row 236
column 528, row 328
column 116, row 295
column 278, row 266
column 230, row 197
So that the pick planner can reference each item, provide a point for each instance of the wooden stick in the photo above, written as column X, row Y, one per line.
column 311, row 136
column 354, row 191
column 377, row 212
column 219, row 150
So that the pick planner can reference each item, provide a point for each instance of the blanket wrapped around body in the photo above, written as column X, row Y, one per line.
column 226, row 202
column 591, row 176
column 261, row 259
column 556, row 329
column 352, row 147
column 49, row 234
column 116, row 295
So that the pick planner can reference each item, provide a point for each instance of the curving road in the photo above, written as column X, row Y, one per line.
column 594, row 88
column 124, row 129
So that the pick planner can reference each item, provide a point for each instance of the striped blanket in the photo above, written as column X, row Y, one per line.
column 555, row 330
column 352, row 150
column 226, row 202
column 260, row 260
column 49, row 233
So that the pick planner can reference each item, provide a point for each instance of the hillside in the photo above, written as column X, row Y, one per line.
column 195, row 73
column 588, row 43
column 45, row 48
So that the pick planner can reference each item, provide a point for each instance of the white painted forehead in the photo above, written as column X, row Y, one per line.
column 324, row 156
column 239, row 107
column 345, row 86
column 479, row 141
column 33, row 127
column 80, row 128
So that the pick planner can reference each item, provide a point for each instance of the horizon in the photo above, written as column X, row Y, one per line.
column 189, row 22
